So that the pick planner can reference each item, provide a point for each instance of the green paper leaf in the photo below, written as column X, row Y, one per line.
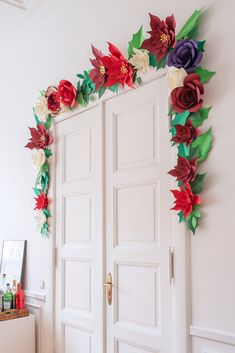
column 136, row 41
column 197, row 214
column 173, row 130
column 101, row 91
column 204, row 143
column 37, row 191
column 44, row 230
column 193, row 153
column 183, row 150
column 189, row 29
column 201, row 45
column 194, row 222
column 44, row 168
column 161, row 63
column 114, row 88
column 198, row 117
column 80, row 76
column 47, row 212
column 139, row 80
column 204, row 74
column 81, row 100
column 180, row 119
column 152, row 60
column 197, row 184
column 171, row 111
column 36, row 118
column 181, row 216
column 48, row 152
column 48, row 122
column 179, row 182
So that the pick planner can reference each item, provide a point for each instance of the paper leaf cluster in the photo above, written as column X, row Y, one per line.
column 195, row 145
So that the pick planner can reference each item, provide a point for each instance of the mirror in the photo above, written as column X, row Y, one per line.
column 13, row 252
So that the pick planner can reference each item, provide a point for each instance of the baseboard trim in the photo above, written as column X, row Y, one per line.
column 213, row 335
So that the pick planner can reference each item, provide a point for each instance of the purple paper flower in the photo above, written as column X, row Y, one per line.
column 185, row 55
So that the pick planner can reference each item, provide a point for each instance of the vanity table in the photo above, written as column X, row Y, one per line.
column 18, row 335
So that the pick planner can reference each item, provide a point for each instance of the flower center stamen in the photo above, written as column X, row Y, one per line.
column 123, row 69
column 164, row 38
column 102, row 69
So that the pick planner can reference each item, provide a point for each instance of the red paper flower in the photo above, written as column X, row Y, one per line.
column 40, row 138
column 162, row 36
column 118, row 69
column 53, row 100
column 41, row 202
column 98, row 73
column 185, row 170
column 185, row 200
column 188, row 96
column 67, row 93
column 185, row 133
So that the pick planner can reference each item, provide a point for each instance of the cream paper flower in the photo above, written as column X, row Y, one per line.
column 39, row 158
column 140, row 61
column 40, row 218
column 175, row 77
column 41, row 109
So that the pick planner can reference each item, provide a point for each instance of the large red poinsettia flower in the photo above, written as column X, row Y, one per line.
column 41, row 202
column 185, row 170
column 162, row 36
column 40, row 138
column 185, row 133
column 98, row 73
column 185, row 200
column 118, row 69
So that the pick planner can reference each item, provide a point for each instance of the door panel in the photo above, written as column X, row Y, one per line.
column 138, row 221
column 79, row 289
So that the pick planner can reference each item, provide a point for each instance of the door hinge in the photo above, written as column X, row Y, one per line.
column 171, row 265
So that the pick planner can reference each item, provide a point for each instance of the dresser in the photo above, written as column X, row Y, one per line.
column 18, row 335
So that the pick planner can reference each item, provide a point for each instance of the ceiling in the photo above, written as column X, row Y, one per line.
column 23, row 25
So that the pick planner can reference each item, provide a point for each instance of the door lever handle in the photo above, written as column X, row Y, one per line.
column 109, row 285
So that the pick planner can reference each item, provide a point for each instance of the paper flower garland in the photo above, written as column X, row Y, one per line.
column 182, row 54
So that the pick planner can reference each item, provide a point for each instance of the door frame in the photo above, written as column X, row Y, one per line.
column 180, row 244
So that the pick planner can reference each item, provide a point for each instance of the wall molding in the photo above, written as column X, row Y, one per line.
column 213, row 335
column 35, row 295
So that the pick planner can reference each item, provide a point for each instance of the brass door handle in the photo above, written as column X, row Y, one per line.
column 108, row 284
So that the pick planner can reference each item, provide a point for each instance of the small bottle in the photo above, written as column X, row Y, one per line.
column 20, row 297
column 8, row 298
column 14, row 289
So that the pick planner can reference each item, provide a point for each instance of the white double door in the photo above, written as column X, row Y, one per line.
column 112, row 216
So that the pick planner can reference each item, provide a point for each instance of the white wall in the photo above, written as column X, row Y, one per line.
column 51, row 41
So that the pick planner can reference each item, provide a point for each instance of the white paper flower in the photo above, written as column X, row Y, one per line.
column 175, row 77
column 39, row 158
column 41, row 109
column 40, row 218
column 140, row 61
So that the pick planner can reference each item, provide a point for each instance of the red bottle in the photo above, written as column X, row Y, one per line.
column 19, row 297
